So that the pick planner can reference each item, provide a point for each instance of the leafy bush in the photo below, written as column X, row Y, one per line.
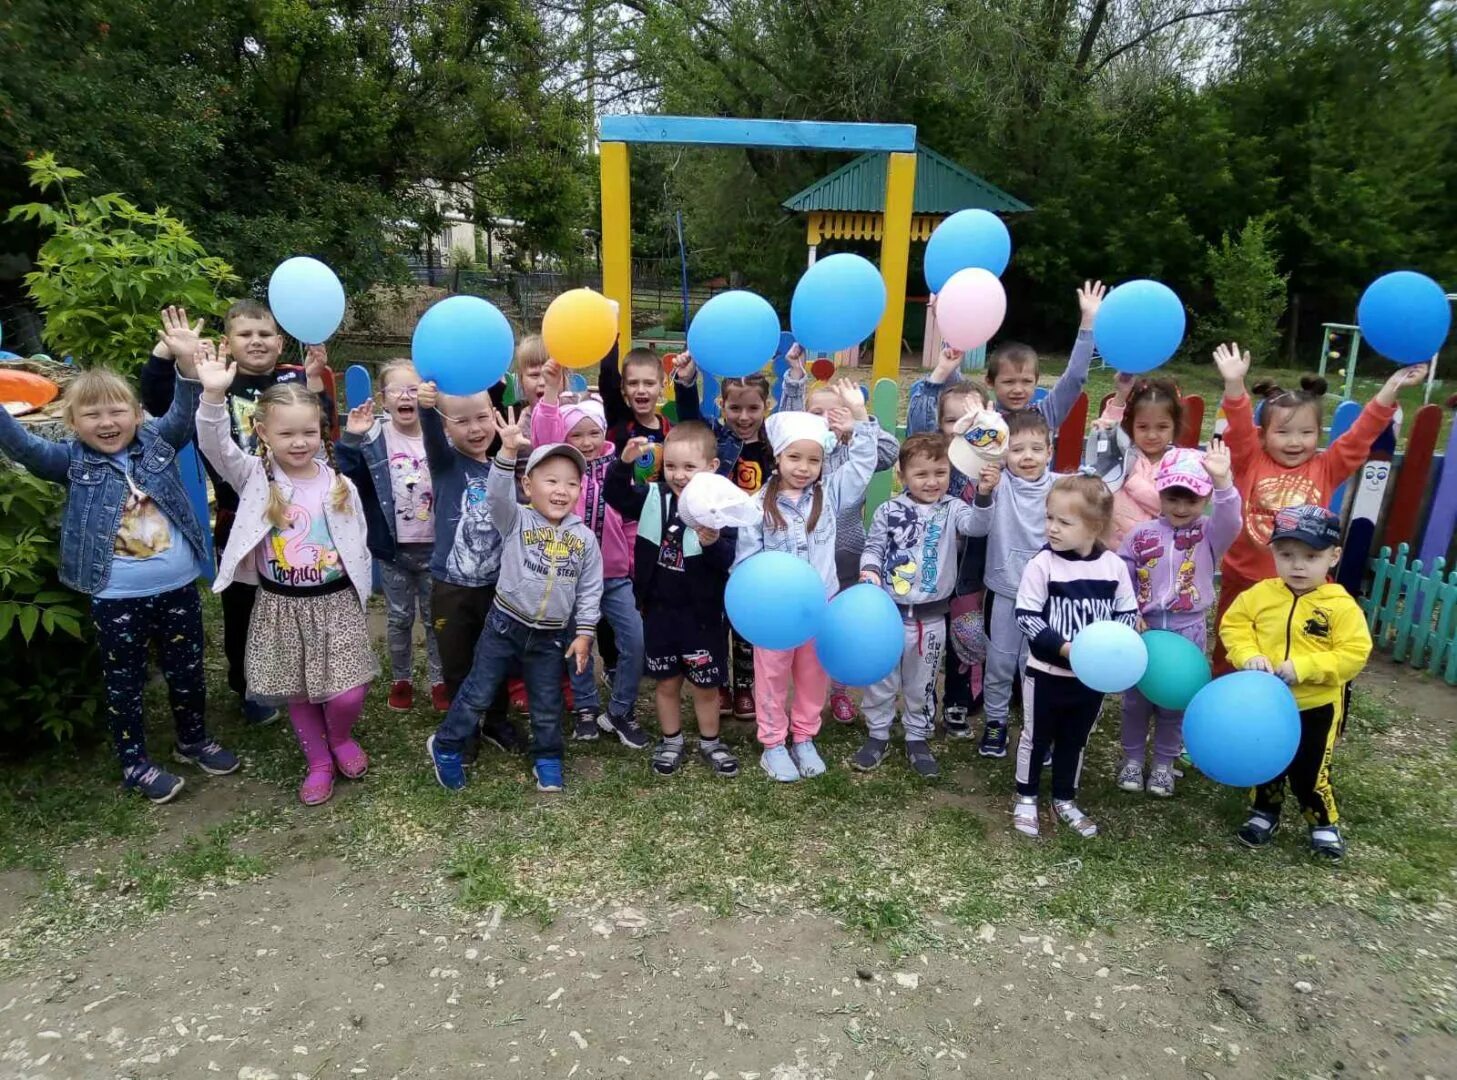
column 48, row 669
column 109, row 267
column 1249, row 290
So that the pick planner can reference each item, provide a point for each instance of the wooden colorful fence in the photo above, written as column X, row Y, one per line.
column 1412, row 612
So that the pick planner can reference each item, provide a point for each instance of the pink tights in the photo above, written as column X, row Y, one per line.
column 325, row 725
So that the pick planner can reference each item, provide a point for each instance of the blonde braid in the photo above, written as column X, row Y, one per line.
column 276, row 511
column 339, row 493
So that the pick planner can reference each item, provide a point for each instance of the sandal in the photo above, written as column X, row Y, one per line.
column 1325, row 841
column 318, row 786
column 720, row 759
column 1024, row 815
column 1076, row 820
column 1259, row 830
column 668, row 757
column 351, row 759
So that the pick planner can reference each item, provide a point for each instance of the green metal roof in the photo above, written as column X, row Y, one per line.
column 942, row 187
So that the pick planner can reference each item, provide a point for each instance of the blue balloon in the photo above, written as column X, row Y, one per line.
column 463, row 345
column 861, row 637
column 306, row 299
column 774, row 600
column 1242, row 729
column 576, row 382
column 734, row 334
column 837, row 303
column 1405, row 316
column 967, row 238
column 1108, row 656
column 1139, row 326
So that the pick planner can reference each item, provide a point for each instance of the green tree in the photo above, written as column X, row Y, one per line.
column 1249, row 290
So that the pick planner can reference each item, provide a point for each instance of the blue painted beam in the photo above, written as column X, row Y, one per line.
column 786, row 134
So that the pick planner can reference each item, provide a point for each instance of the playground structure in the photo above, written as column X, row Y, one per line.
column 1334, row 335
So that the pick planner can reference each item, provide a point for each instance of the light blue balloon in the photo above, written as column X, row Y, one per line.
column 1108, row 656
column 306, row 299
column 967, row 238
column 1405, row 316
column 837, row 303
column 861, row 638
column 1139, row 326
column 463, row 345
column 774, row 600
column 1242, row 729
column 734, row 334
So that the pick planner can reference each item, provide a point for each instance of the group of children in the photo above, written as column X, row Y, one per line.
column 527, row 541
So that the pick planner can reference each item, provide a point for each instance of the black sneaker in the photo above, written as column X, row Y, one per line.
column 958, row 726
column 668, row 756
column 502, row 734
column 626, row 728
column 871, row 753
column 993, row 741
column 1259, row 830
column 156, row 785
column 922, row 760
column 719, row 758
column 584, row 727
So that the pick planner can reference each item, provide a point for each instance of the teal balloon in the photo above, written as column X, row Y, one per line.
column 1177, row 669
column 1242, row 729
column 306, row 299
column 775, row 600
column 861, row 637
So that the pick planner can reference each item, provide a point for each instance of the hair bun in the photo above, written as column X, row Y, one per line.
column 1266, row 388
column 1314, row 384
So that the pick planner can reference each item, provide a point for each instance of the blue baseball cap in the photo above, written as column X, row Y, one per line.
column 1313, row 525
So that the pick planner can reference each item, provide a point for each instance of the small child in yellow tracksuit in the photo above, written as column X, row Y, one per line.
column 1310, row 633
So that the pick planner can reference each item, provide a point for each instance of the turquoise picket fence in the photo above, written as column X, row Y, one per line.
column 1412, row 612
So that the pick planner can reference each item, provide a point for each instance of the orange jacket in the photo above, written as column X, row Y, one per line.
column 1266, row 486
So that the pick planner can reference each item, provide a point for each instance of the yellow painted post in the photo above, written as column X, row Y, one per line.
column 617, row 235
column 895, row 254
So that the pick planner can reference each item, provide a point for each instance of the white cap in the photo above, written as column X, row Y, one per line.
column 710, row 501
column 980, row 440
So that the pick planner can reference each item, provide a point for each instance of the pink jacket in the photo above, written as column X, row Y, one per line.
column 614, row 535
column 244, row 473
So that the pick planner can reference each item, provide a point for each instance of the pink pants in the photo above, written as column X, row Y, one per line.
column 774, row 670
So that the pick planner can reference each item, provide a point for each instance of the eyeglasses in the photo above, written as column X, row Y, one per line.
column 401, row 391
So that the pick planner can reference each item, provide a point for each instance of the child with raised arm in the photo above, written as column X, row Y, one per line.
column 679, row 575
column 1278, row 462
column 300, row 536
column 799, row 507
column 1310, row 633
column 583, row 425
column 1127, row 443
column 911, row 553
column 551, row 579
column 1171, row 560
column 630, row 399
column 386, row 460
column 1070, row 584
column 253, row 339
column 129, row 540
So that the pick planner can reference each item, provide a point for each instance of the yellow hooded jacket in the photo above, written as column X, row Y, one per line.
column 1322, row 632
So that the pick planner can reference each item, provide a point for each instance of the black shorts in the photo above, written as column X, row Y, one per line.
column 679, row 643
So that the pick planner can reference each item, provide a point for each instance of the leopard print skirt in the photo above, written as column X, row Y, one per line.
column 307, row 648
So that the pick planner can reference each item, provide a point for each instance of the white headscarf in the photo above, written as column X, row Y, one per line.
column 784, row 428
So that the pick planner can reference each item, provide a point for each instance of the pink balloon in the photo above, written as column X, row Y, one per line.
column 970, row 308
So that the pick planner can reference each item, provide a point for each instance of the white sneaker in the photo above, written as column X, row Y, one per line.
column 808, row 759
column 1130, row 777
column 778, row 764
column 1161, row 783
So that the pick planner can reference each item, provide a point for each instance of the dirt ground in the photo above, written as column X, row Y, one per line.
column 326, row 969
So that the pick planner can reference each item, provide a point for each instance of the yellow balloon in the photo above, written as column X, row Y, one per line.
column 579, row 328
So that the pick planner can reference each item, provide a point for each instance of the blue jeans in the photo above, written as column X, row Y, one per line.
column 503, row 644
column 619, row 608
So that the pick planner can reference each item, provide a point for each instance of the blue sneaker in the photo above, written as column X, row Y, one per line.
column 993, row 740
column 778, row 764
column 548, row 772
column 156, row 785
column 208, row 756
column 449, row 768
column 258, row 713
column 808, row 759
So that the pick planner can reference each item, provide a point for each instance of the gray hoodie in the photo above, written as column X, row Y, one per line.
column 912, row 546
column 549, row 573
column 1014, row 521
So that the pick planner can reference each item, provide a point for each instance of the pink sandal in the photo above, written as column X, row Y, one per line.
column 318, row 786
column 842, row 706
column 353, row 762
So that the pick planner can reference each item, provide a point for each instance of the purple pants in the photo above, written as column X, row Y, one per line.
column 1168, row 732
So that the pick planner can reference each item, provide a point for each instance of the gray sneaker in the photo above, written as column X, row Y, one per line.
column 871, row 753
column 1161, row 783
column 923, row 762
column 1130, row 777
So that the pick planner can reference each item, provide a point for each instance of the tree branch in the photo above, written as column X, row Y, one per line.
column 1158, row 28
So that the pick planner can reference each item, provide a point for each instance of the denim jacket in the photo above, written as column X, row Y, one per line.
column 97, row 491
column 365, row 459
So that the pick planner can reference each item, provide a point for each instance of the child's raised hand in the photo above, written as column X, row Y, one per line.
column 991, row 476
column 361, row 418
column 214, row 372
column 316, row 362
column 1217, row 464
column 706, row 536
column 179, row 337
column 947, row 364
column 1259, row 663
column 580, row 650
column 795, row 357
column 635, row 448
column 841, row 422
column 850, row 394
column 1123, row 384
column 1286, row 671
column 508, row 429
column 1400, row 380
column 1090, row 299
column 685, row 370
column 554, row 380
column 1233, row 365
column 428, row 396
